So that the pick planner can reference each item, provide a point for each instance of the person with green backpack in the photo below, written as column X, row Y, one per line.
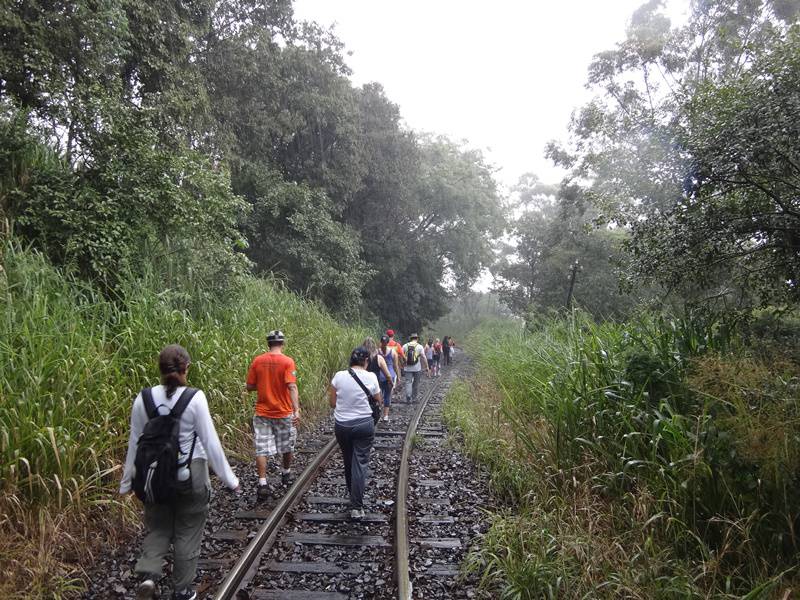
column 172, row 443
column 414, row 363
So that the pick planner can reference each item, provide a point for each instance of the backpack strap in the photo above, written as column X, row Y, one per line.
column 183, row 402
column 177, row 411
column 149, row 404
column 361, row 385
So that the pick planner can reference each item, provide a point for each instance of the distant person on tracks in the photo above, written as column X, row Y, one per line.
column 350, row 395
column 429, row 355
column 379, row 367
column 437, row 357
column 273, row 376
column 387, row 385
column 393, row 343
column 177, row 520
column 398, row 348
column 446, row 350
column 414, row 363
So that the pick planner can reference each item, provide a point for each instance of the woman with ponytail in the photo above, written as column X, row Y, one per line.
column 179, row 522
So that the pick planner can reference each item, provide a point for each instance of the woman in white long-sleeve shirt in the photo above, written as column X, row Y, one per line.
column 179, row 523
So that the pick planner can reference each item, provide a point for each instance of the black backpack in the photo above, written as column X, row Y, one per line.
column 412, row 357
column 156, row 477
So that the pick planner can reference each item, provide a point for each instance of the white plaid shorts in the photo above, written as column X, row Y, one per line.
column 273, row 436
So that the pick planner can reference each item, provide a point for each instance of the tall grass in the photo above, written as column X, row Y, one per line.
column 651, row 459
column 72, row 362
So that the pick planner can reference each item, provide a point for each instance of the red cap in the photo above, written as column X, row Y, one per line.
column 390, row 332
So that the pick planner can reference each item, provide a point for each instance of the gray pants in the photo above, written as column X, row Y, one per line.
column 412, row 384
column 180, row 524
column 355, row 440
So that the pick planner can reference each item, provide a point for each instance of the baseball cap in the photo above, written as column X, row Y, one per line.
column 390, row 332
column 276, row 335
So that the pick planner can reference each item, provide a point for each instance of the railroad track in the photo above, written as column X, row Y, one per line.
column 306, row 548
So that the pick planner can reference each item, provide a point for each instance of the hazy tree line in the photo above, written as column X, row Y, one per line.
column 684, row 171
column 213, row 138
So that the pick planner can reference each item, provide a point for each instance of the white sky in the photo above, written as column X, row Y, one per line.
column 503, row 75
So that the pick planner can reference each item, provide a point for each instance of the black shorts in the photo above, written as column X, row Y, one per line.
column 436, row 359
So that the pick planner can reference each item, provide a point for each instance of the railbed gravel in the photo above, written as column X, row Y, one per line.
column 464, row 486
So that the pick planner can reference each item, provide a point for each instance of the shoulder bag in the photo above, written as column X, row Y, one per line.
column 375, row 406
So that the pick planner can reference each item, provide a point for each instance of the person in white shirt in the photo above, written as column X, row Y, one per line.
column 414, row 363
column 181, row 522
column 355, row 429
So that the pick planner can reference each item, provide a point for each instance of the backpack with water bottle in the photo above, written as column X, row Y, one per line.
column 156, row 480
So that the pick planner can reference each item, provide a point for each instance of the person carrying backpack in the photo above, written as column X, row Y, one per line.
column 392, row 361
column 172, row 442
column 437, row 357
column 398, row 348
column 415, row 361
column 351, row 393
column 379, row 366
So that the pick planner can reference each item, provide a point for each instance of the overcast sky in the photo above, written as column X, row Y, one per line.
column 503, row 75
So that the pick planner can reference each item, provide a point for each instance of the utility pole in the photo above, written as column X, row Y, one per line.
column 574, row 269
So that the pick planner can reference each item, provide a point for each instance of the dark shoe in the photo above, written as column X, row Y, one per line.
column 286, row 478
column 187, row 594
column 263, row 492
column 147, row 588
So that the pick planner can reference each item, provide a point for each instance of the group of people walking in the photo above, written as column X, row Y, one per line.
column 173, row 440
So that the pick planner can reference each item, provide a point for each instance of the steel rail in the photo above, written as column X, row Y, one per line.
column 401, row 514
column 256, row 547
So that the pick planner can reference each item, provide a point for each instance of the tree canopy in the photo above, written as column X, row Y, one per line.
column 231, row 131
column 557, row 257
column 691, row 145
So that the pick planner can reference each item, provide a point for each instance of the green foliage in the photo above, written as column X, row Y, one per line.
column 554, row 236
column 774, row 332
column 663, row 442
column 692, row 144
column 739, row 209
column 159, row 111
column 433, row 218
column 293, row 233
column 133, row 201
column 73, row 362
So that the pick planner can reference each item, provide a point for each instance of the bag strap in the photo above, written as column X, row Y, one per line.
column 149, row 404
column 177, row 411
column 359, row 382
column 183, row 402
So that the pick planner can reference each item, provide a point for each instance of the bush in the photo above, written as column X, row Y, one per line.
column 135, row 200
column 652, row 437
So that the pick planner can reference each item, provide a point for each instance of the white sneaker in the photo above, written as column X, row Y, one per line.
column 146, row 590
column 386, row 418
column 357, row 514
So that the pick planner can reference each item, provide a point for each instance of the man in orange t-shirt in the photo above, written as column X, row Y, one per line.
column 274, row 376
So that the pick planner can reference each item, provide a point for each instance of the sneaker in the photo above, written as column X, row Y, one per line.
column 187, row 594
column 357, row 514
column 286, row 478
column 263, row 492
column 386, row 418
column 147, row 588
